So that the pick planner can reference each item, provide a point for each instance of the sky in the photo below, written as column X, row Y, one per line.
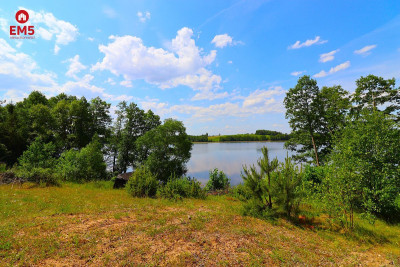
column 221, row 67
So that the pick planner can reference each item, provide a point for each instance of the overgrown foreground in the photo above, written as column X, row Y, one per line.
column 90, row 224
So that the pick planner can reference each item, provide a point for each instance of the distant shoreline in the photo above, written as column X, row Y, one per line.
column 264, row 141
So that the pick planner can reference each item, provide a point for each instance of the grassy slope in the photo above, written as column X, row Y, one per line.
column 84, row 225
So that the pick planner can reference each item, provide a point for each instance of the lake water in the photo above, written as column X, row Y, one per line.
column 229, row 157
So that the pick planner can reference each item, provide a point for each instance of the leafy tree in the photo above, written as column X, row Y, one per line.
column 369, row 149
column 165, row 149
column 373, row 92
column 134, row 123
column 38, row 155
column 84, row 165
column 335, row 105
column 100, row 123
column 303, row 109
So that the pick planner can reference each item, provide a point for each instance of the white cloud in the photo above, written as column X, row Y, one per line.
column 22, row 67
column 111, row 81
column 75, row 67
column 126, row 83
column 48, row 26
column 328, row 56
column 222, row 40
column 298, row 44
column 365, row 51
column 183, row 64
column 4, row 25
column 339, row 67
column 91, row 39
column 297, row 73
column 143, row 16
column 109, row 12
column 257, row 102
column 209, row 95
column 230, row 62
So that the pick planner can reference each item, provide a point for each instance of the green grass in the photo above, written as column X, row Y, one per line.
column 92, row 224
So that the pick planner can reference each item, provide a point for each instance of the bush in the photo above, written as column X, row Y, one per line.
column 84, row 165
column 3, row 167
column 241, row 192
column 40, row 176
column 218, row 181
column 142, row 183
column 182, row 187
column 38, row 155
column 286, row 189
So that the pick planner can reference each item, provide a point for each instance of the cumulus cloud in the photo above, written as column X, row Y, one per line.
column 297, row 73
column 222, row 40
column 126, row 83
column 365, row 51
column 316, row 40
column 22, row 67
column 182, row 64
column 328, row 56
column 143, row 16
column 48, row 26
column 339, row 67
column 257, row 102
column 75, row 67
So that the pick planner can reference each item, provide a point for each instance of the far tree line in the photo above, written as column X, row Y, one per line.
column 260, row 135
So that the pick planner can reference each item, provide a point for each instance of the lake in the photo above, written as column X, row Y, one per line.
column 229, row 157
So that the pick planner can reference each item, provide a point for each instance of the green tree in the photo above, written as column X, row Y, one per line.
column 38, row 155
column 303, row 109
column 369, row 149
column 83, row 165
column 373, row 92
column 259, row 182
column 165, row 149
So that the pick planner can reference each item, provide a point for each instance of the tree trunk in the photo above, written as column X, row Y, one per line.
column 315, row 149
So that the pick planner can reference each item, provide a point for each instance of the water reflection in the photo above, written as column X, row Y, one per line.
column 229, row 157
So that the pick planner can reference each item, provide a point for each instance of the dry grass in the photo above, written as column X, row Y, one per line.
column 79, row 225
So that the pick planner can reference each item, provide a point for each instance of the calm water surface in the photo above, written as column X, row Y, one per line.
column 229, row 157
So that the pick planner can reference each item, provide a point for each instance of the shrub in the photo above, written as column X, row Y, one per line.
column 241, row 192
column 285, row 188
column 40, row 176
column 142, row 183
column 3, row 167
column 218, row 181
column 182, row 187
column 38, row 155
column 84, row 165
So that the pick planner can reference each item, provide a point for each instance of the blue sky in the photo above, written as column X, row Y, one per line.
column 221, row 67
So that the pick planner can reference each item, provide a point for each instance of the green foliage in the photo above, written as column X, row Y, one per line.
column 3, row 167
column 38, row 155
column 182, row 187
column 165, row 149
column 259, row 182
column 217, row 181
column 286, row 187
column 241, row 192
column 314, row 116
column 40, row 176
column 368, row 152
column 142, row 183
column 373, row 92
column 84, row 165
